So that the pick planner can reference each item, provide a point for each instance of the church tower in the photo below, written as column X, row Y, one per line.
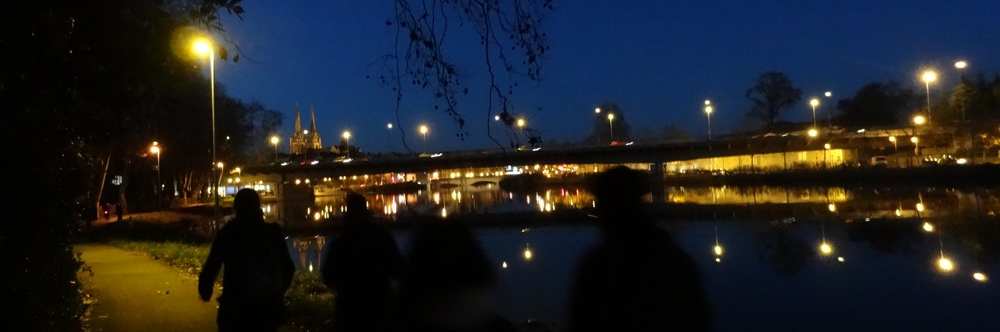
column 304, row 140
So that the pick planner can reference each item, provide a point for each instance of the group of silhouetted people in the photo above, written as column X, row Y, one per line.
column 635, row 279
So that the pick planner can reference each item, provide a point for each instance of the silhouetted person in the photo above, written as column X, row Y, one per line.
column 636, row 278
column 450, row 283
column 362, row 267
column 257, row 269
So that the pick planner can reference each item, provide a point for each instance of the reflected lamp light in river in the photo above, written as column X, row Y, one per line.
column 920, row 207
column 825, row 248
column 832, row 207
column 980, row 277
column 944, row 264
column 718, row 250
column 927, row 227
column 528, row 254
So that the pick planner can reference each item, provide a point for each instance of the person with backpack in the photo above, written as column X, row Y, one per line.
column 258, row 269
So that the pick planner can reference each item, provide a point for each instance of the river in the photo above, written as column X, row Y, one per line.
column 818, row 259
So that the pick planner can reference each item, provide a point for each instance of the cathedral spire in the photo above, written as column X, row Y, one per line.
column 298, row 120
column 312, row 111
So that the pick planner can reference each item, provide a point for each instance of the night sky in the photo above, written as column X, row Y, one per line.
column 657, row 59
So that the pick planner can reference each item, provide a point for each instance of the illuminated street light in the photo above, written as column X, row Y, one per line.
column 611, row 119
column 927, row 227
column 424, row 129
column 154, row 148
column 708, row 115
column 961, row 64
column 980, row 277
column 718, row 250
column 814, row 103
column 388, row 125
column 597, row 110
column 827, row 146
column 528, row 254
column 919, row 120
column 220, row 165
column 521, row 123
column 708, row 102
column 812, row 132
column 929, row 76
column 828, row 94
column 831, row 207
column 825, row 248
column 944, row 264
column 274, row 141
column 202, row 46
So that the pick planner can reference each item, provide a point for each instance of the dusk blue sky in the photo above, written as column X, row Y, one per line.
column 657, row 59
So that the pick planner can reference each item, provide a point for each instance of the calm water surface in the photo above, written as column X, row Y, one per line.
column 882, row 271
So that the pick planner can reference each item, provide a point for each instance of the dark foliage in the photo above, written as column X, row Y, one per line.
column 772, row 93
column 876, row 104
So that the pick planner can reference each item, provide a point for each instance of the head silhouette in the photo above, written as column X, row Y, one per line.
column 247, row 206
column 357, row 207
column 618, row 191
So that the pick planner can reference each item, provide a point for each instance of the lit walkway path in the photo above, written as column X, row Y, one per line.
column 136, row 293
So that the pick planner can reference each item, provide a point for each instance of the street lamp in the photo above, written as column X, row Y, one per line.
column 155, row 149
column 829, row 112
column 521, row 123
column 597, row 110
column 388, row 126
column 919, row 120
column 929, row 76
column 826, row 147
column 423, row 130
column 203, row 46
column 916, row 145
column 274, row 141
column 814, row 103
column 611, row 126
column 346, row 135
column 892, row 139
column 961, row 64
column 708, row 115
column 812, row 133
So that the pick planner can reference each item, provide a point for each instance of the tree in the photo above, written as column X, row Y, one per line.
column 772, row 93
column 89, row 81
column 602, row 132
column 876, row 104
column 502, row 27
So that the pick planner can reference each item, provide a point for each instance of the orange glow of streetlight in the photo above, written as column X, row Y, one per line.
column 929, row 76
column 945, row 264
column 919, row 120
column 424, row 129
column 220, row 165
column 814, row 102
column 915, row 140
column 202, row 46
column 275, row 140
column 892, row 139
column 521, row 123
column 812, row 132
column 825, row 249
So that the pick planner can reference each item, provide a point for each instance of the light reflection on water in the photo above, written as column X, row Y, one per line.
column 775, row 274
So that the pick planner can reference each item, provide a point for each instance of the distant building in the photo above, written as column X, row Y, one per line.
column 303, row 141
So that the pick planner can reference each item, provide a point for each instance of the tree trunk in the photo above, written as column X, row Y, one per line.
column 100, row 191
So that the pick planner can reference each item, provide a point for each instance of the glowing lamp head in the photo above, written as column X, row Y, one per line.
column 155, row 149
column 346, row 135
column 828, row 94
column 220, row 165
column 424, row 129
column 718, row 250
column 305, row 132
column 914, row 140
column 528, row 255
column 825, row 249
column 927, row 227
column 929, row 76
column 814, row 102
column 827, row 146
column 611, row 116
column 892, row 139
column 812, row 132
column 980, row 277
column 919, row 120
column 832, row 207
column 709, row 109
column 961, row 64
column 275, row 140
column 388, row 125
column 944, row 264
column 521, row 123
column 597, row 110
column 201, row 46
column 708, row 102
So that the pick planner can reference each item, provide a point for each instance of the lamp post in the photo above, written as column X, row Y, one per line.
column 597, row 110
column 424, row 129
column 155, row 149
column 204, row 47
column 916, row 147
column 708, row 116
column 611, row 127
column 274, row 141
column 929, row 76
column 814, row 103
column 829, row 112
column 826, row 148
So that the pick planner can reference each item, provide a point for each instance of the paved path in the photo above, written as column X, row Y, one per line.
column 136, row 293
